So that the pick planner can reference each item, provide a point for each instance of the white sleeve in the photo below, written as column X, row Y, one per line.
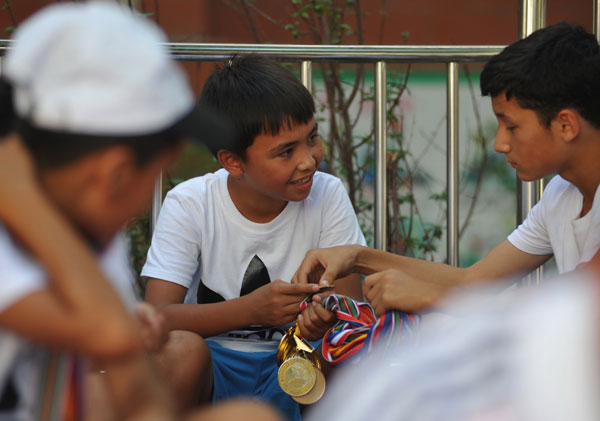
column 532, row 235
column 340, row 225
column 175, row 249
column 21, row 275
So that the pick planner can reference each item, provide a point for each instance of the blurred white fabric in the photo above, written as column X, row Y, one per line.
column 525, row 354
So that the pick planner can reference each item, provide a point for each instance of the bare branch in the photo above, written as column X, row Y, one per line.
column 251, row 21
column 11, row 13
column 482, row 142
column 383, row 20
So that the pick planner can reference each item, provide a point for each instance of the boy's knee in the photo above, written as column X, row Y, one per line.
column 186, row 347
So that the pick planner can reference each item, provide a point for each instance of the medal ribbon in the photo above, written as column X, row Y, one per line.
column 359, row 328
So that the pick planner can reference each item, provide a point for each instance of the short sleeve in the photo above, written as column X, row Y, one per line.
column 175, row 249
column 340, row 224
column 21, row 276
column 532, row 235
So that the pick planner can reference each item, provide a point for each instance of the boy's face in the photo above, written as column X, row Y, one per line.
column 101, row 193
column 531, row 148
column 281, row 167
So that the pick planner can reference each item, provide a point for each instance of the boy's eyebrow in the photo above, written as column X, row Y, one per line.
column 286, row 145
column 503, row 117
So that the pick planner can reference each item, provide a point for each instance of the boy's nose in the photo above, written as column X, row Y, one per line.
column 501, row 143
column 307, row 160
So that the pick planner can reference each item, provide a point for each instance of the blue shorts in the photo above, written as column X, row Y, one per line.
column 250, row 374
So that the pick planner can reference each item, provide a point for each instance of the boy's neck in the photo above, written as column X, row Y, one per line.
column 583, row 170
column 253, row 205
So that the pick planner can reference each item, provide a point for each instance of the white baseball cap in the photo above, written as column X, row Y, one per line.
column 99, row 69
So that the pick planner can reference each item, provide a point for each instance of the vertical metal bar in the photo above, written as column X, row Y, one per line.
column 532, row 17
column 596, row 19
column 380, row 156
column 452, row 162
column 306, row 74
column 156, row 203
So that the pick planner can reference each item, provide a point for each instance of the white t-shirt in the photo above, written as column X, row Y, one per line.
column 554, row 226
column 528, row 355
column 202, row 239
column 21, row 276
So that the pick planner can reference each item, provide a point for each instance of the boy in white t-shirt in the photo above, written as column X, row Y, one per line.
column 545, row 93
column 227, row 244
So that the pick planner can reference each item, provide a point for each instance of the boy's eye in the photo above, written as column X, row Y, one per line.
column 286, row 153
column 314, row 137
column 511, row 128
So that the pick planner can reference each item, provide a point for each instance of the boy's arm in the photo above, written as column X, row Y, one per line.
column 89, row 314
column 418, row 283
column 274, row 304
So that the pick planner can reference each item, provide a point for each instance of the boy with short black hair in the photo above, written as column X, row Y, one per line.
column 546, row 96
column 102, row 108
column 227, row 244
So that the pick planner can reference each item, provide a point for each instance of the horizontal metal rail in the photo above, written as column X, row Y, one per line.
column 331, row 53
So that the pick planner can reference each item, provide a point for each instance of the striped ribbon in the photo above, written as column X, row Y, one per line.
column 60, row 396
column 358, row 329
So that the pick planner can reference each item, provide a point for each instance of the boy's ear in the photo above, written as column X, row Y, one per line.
column 231, row 162
column 115, row 170
column 566, row 123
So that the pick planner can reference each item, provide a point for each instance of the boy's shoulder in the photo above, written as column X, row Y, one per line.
column 557, row 188
column 324, row 183
column 197, row 188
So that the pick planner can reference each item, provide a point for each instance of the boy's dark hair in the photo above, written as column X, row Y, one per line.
column 258, row 96
column 552, row 69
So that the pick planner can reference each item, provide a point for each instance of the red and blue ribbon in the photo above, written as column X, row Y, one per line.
column 359, row 329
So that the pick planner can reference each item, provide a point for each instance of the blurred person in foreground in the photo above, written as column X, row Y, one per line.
column 101, row 108
column 527, row 354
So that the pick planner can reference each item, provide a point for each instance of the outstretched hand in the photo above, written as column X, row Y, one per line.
column 324, row 266
column 394, row 290
column 278, row 302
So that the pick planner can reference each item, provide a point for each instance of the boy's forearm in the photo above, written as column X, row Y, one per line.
column 75, row 276
column 369, row 261
column 210, row 319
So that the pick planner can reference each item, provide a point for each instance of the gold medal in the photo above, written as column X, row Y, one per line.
column 315, row 393
column 297, row 376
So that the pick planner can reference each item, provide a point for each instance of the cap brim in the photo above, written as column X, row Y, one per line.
column 205, row 125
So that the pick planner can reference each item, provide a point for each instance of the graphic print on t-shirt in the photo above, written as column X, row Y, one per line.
column 256, row 276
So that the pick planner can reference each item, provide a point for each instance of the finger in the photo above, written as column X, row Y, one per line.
column 299, row 289
column 300, row 321
column 324, row 315
column 376, row 304
column 330, row 274
column 370, row 282
column 374, row 292
column 307, row 267
column 312, row 319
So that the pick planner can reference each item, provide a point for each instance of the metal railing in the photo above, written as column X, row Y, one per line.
column 379, row 56
column 532, row 16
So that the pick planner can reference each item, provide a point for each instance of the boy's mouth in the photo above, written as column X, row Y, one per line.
column 302, row 180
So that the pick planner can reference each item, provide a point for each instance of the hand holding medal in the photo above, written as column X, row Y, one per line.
column 300, row 374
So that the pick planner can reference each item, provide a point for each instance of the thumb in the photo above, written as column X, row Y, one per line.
column 329, row 276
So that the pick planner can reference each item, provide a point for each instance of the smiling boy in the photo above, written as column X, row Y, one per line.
column 227, row 244
column 546, row 96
